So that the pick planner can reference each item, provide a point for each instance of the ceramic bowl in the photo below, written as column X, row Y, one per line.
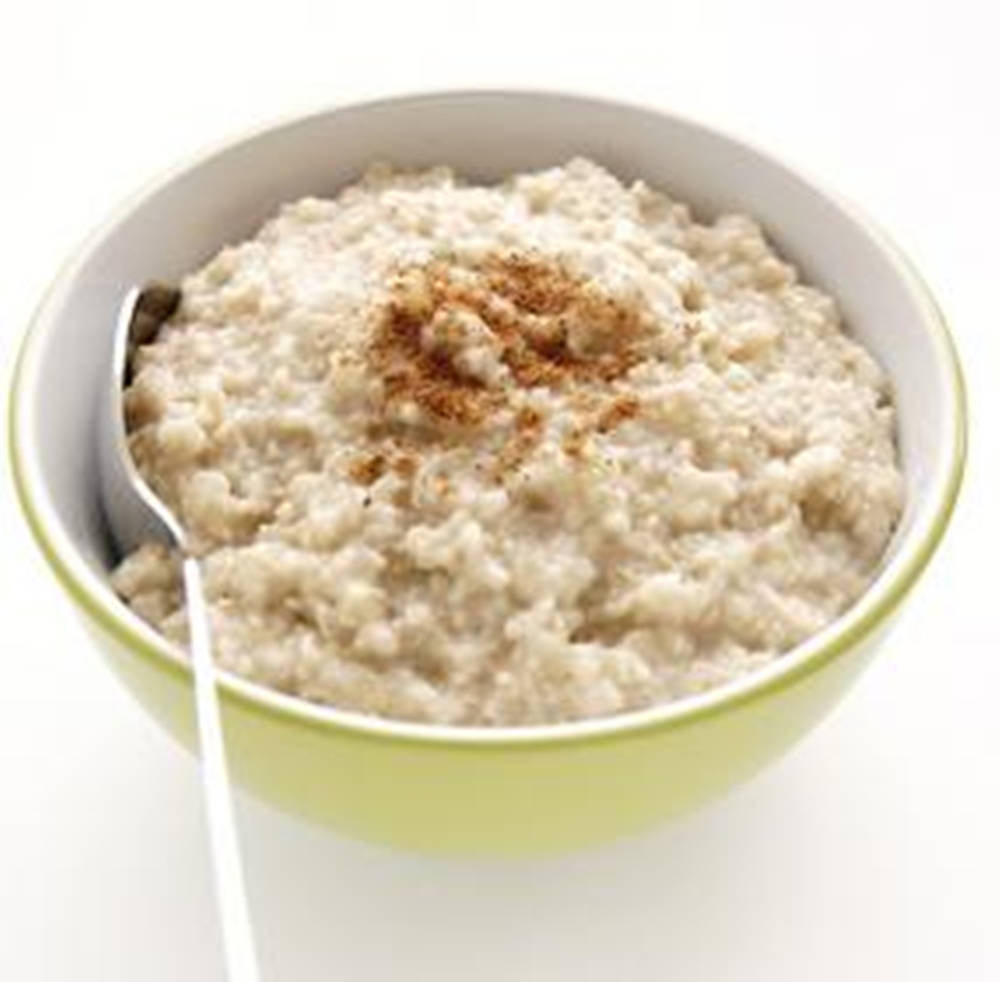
column 436, row 788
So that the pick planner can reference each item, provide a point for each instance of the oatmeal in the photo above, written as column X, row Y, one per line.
column 503, row 455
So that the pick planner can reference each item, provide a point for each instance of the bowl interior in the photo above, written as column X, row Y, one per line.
column 223, row 197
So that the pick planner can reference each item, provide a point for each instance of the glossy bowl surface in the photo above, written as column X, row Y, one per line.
column 502, row 791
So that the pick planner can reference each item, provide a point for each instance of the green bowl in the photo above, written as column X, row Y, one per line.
column 433, row 788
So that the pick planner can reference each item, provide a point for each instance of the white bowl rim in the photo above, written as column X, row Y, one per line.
column 98, row 603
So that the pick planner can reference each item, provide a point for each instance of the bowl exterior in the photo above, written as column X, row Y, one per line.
column 453, row 795
column 500, row 799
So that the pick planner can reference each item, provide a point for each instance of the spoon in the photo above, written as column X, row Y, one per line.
column 136, row 515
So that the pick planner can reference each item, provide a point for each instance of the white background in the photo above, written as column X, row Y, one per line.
column 870, row 852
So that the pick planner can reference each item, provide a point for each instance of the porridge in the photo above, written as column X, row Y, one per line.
column 506, row 455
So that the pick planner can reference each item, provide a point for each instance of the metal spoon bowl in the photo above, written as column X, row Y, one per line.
column 136, row 515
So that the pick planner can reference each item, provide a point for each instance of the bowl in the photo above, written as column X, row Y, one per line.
column 478, row 790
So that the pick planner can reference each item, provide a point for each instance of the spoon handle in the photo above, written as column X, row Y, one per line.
column 231, row 894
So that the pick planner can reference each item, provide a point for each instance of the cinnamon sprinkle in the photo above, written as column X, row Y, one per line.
column 528, row 425
column 527, row 307
column 622, row 409
column 457, row 342
column 368, row 468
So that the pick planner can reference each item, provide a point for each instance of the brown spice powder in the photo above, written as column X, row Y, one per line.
column 527, row 304
column 621, row 409
column 528, row 424
column 368, row 468
column 526, row 309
